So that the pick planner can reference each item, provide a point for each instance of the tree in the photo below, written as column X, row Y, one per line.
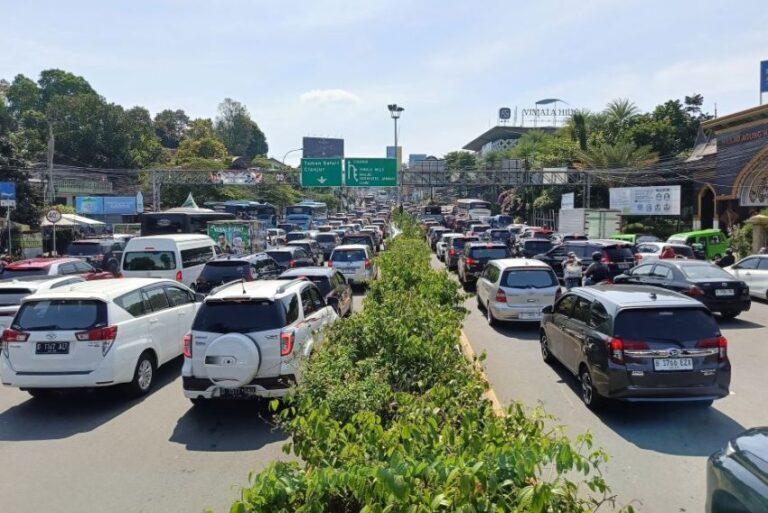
column 614, row 156
column 621, row 110
column 170, row 126
column 144, row 146
column 55, row 82
column 23, row 95
column 460, row 160
column 27, row 209
column 239, row 133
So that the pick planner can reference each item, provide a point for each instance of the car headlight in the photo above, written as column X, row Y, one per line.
column 729, row 449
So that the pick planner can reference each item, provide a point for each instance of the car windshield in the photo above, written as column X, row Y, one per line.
column 61, row 314
column 620, row 254
column 28, row 271
column 84, row 248
column 149, row 261
column 9, row 297
column 666, row 324
column 326, row 237
column 538, row 246
column 685, row 251
column 357, row 240
column 245, row 316
column 705, row 272
column 489, row 253
column 280, row 256
column 224, row 271
column 529, row 278
column 348, row 255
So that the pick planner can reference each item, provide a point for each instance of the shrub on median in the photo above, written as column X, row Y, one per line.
column 390, row 417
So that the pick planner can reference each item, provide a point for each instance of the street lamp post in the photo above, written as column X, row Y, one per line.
column 395, row 110
column 288, row 153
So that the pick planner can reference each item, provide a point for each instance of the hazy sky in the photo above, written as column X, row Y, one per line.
column 330, row 67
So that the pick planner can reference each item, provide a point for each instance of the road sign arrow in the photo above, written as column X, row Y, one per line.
column 321, row 180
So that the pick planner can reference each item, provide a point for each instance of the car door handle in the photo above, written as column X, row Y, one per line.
column 182, row 314
column 748, row 274
column 154, row 321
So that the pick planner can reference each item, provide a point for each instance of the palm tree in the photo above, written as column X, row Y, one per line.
column 578, row 126
column 616, row 156
column 621, row 110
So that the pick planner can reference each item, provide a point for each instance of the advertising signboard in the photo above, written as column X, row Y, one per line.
column 7, row 194
column 646, row 201
column 105, row 205
column 93, row 205
column 322, row 147
column 763, row 77
column 238, row 237
column 567, row 201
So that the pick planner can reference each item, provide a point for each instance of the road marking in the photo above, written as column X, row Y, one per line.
column 490, row 393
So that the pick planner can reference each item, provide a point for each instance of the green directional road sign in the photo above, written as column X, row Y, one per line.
column 321, row 172
column 371, row 172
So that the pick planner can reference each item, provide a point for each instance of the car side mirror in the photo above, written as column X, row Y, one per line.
column 547, row 309
column 621, row 278
column 199, row 297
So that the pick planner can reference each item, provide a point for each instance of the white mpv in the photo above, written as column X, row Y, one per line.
column 96, row 334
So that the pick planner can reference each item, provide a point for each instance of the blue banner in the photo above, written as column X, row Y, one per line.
column 93, row 205
column 7, row 190
column 120, row 205
column 764, row 77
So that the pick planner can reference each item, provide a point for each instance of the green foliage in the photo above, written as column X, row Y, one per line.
column 391, row 418
column 170, row 126
column 741, row 240
column 460, row 160
column 239, row 133
column 618, row 155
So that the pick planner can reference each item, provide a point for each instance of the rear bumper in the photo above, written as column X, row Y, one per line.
column 516, row 313
column 201, row 388
column 729, row 305
column 616, row 385
column 104, row 375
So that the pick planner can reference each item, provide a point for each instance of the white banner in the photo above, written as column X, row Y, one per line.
column 567, row 201
column 646, row 201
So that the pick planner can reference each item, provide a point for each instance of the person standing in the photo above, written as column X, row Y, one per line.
column 597, row 271
column 572, row 271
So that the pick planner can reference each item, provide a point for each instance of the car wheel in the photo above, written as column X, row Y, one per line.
column 592, row 399
column 199, row 402
column 544, row 342
column 489, row 316
column 729, row 315
column 41, row 393
column 143, row 376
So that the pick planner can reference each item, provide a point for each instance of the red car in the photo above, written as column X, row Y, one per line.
column 53, row 267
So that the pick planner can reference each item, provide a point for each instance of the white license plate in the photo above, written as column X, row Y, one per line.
column 530, row 315
column 724, row 292
column 624, row 266
column 672, row 364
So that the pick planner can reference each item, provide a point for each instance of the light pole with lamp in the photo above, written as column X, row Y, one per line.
column 395, row 110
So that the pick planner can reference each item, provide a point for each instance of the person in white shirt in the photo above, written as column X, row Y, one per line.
column 572, row 271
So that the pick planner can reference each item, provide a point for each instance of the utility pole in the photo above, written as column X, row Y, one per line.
column 395, row 110
column 52, row 193
column 155, row 192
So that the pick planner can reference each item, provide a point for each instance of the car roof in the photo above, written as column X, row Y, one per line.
column 235, row 258
column 178, row 237
column 310, row 271
column 481, row 244
column 632, row 296
column 36, row 281
column 661, row 244
column 680, row 262
column 100, row 289
column 289, row 249
column 351, row 246
column 507, row 263
column 299, row 241
column 35, row 263
column 598, row 242
column 536, row 239
column 265, row 289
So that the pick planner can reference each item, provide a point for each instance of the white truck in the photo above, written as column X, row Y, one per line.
column 594, row 223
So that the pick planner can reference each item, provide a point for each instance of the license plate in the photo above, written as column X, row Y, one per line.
column 236, row 393
column 530, row 315
column 624, row 266
column 52, row 348
column 724, row 292
column 672, row 364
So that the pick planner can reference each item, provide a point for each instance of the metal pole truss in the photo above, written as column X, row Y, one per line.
column 256, row 178
column 436, row 174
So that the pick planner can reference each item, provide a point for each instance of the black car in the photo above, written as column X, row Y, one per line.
column 103, row 254
column 332, row 284
column 498, row 235
column 708, row 283
column 475, row 255
column 617, row 255
column 226, row 268
column 637, row 344
column 454, row 249
column 737, row 475
column 528, row 248
column 434, row 235
column 311, row 246
column 288, row 257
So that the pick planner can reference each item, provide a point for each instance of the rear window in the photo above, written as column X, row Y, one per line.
column 685, row 251
column 489, row 253
column 61, row 314
column 620, row 254
column 705, row 272
column 149, row 261
column 538, row 246
column 323, row 283
column 666, row 324
column 84, row 248
column 357, row 240
column 500, row 234
column 529, row 279
column 325, row 237
column 280, row 256
column 29, row 271
column 295, row 236
column 479, row 228
column 224, row 271
column 459, row 243
column 239, row 316
column 348, row 255
column 10, row 297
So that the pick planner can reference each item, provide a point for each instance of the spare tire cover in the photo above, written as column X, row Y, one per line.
column 232, row 360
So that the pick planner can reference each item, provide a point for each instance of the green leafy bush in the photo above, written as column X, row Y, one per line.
column 391, row 417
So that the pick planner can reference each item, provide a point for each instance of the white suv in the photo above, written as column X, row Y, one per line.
column 14, row 290
column 95, row 334
column 250, row 338
column 355, row 261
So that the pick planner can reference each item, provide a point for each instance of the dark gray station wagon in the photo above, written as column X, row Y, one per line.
column 637, row 344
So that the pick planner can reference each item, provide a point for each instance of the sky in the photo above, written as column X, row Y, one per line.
column 330, row 67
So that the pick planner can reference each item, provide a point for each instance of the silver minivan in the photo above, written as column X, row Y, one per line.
column 355, row 261
column 516, row 289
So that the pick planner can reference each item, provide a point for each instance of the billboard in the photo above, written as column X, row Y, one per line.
column 416, row 157
column 236, row 177
column 567, row 201
column 7, row 194
column 764, row 77
column 646, row 201
column 106, row 205
column 89, row 205
column 322, row 147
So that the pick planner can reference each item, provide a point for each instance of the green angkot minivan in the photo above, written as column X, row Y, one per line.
column 713, row 241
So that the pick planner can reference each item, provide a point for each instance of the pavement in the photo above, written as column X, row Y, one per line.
column 97, row 451
column 658, row 451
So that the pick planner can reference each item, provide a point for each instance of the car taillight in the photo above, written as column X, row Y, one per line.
column 695, row 291
column 15, row 336
column 367, row 264
column 501, row 296
column 286, row 343
column 291, row 263
column 330, row 263
column 452, row 252
column 638, row 257
column 105, row 335
column 605, row 259
column 720, row 343
column 471, row 261
column 618, row 346
column 187, row 345
column 179, row 276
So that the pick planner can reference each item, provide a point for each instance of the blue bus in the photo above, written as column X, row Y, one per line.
column 307, row 214
column 243, row 209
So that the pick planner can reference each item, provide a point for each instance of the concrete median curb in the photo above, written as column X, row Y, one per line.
column 470, row 354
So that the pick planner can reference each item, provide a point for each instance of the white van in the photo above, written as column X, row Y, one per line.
column 179, row 257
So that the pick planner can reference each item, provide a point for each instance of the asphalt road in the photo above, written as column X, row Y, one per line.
column 658, row 451
column 100, row 452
